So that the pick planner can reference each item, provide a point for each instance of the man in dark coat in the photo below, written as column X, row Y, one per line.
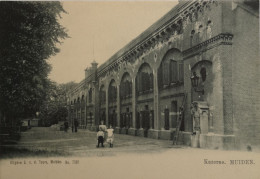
column 76, row 124
column 66, row 126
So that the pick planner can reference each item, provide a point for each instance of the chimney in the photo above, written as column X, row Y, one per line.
column 94, row 65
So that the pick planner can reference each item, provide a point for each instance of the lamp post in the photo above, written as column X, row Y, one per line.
column 195, row 82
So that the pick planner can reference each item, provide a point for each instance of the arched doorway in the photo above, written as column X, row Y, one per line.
column 170, row 78
column 144, row 95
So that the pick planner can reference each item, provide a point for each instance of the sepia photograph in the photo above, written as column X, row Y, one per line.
column 129, row 89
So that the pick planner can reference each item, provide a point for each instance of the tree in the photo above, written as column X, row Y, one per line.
column 29, row 32
column 54, row 107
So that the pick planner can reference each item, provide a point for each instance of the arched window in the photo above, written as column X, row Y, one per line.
column 112, row 92
column 126, row 86
column 181, row 72
column 144, row 79
column 171, row 70
column 166, row 71
column 102, row 95
column 203, row 74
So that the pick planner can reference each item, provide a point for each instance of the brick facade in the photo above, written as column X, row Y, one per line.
column 215, row 39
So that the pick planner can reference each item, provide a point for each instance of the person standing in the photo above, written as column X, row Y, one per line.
column 100, row 138
column 103, row 128
column 76, row 124
column 110, row 136
column 66, row 126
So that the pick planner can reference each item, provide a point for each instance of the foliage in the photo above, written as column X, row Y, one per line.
column 29, row 32
column 54, row 108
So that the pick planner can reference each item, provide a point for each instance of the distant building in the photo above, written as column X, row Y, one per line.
column 207, row 51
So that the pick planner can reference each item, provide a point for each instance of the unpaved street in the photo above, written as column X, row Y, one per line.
column 131, row 158
column 83, row 143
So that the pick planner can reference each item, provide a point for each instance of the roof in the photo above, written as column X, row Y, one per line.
column 173, row 13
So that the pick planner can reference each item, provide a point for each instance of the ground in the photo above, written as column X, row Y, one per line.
column 83, row 143
column 76, row 156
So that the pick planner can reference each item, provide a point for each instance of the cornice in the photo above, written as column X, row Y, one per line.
column 174, row 26
column 221, row 39
column 153, row 38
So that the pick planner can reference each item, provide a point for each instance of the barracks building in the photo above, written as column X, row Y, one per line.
column 195, row 71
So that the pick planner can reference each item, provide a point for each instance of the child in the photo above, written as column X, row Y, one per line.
column 102, row 127
column 110, row 136
column 100, row 137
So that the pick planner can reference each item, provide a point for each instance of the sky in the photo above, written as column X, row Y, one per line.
column 98, row 30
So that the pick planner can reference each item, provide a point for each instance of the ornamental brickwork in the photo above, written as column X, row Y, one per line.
column 141, row 88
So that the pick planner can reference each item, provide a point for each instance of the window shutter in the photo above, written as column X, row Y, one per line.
column 171, row 70
column 127, row 88
column 143, row 82
column 122, row 87
column 115, row 93
column 146, row 82
column 174, row 71
column 181, row 72
column 165, row 73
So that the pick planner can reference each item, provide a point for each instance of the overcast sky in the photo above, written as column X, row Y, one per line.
column 102, row 27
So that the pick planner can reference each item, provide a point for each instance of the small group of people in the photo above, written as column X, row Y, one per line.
column 105, row 134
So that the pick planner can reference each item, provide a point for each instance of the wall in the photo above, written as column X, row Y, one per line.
column 245, row 77
column 217, row 37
